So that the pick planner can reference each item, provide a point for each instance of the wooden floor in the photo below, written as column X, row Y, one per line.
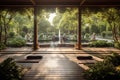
column 55, row 67
column 57, row 63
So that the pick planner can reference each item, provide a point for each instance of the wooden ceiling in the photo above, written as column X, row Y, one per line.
column 60, row 2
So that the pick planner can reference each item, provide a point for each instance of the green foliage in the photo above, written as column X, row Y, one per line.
column 109, row 33
column 98, row 20
column 41, row 36
column 106, row 34
column 9, row 70
column 44, row 25
column 9, row 22
column 103, row 34
column 23, row 34
column 25, row 29
column 95, row 29
column 2, row 46
column 67, row 21
column 16, row 42
column 102, row 71
column 87, row 30
column 114, row 59
column 106, row 70
column 87, row 36
column 11, row 34
column 117, row 45
column 102, row 27
column 102, row 19
column 100, row 43
column 45, row 37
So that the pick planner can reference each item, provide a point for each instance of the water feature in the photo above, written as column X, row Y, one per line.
column 59, row 36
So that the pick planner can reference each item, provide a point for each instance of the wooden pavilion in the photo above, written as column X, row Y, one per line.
column 55, row 3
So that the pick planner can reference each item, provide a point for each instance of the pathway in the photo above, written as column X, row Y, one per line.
column 55, row 67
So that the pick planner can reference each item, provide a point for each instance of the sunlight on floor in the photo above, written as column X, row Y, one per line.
column 52, row 63
column 57, row 55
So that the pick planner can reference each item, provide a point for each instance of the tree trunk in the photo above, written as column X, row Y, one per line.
column 0, row 30
column 115, row 33
column 5, row 41
column 6, row 28
column 0, row 34
column 112, row 29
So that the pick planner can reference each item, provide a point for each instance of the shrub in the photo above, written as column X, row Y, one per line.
column 102, row 71
column 9, row 70
column 23, row 34
column 2, row 46
column 87, row 36
column 103, row 34
column 109, row 33
column 40, row 36
column 109, row 69
column 117, row 45
column 100, row 43
column 114, row 59
column 16, row 42
column 11, row 34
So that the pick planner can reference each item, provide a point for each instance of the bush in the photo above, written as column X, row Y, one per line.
column 109, row 33
column 103, row 34
column 100, row 43
column 2, row 46
column 102, row 71
column 87, row 36
column 16, row 42
column 114, row 59
column 106, row 70
column 10, row 71
column 23, row 34
column 117, row 45
column 11, row 34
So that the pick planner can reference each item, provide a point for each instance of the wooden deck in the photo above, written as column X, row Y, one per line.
column 59, row 63
column 55, row 67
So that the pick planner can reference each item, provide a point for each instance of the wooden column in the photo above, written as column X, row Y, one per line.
column 36, row 46
column 79, row 28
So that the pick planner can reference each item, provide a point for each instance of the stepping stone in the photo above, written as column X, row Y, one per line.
column 34, row 57
column 84, row 57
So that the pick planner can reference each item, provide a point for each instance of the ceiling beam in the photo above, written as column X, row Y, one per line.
column 59, row 5
column 82, row 2
column 33, row 2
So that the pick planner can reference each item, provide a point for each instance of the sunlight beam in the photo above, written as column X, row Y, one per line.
column 52, row 15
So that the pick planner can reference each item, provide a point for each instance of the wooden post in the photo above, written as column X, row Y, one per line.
column 36, row 46
column 79, row 28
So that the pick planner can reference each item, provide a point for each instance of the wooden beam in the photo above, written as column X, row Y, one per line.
column 36, row 46
column 33, row 2
column 27, row 6
column 79, row 25
column 79, row 28
column 82, row 2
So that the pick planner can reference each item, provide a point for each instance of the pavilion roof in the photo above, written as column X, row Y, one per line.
column 60, row 2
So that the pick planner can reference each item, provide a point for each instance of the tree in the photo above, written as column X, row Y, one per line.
column 103, row 19
column 67, row 20
column 95, row 29
column 6, row 17
column 44, row 25
column 113, row 18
